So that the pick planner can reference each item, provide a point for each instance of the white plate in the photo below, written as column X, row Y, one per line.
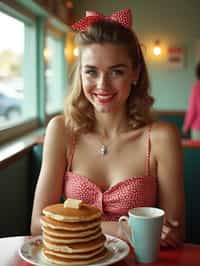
column 31, row 251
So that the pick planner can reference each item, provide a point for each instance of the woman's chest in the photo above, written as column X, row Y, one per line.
column 122, row 161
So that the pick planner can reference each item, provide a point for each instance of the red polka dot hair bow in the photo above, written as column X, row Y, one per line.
column 124, row 17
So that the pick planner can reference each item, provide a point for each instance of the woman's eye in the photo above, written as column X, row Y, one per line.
column 91, row 73
column 117, row 72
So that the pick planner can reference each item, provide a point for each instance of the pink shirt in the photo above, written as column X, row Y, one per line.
column 133, row 192
column 192, row 118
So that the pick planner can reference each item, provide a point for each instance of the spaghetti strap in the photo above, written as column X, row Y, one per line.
column 148, row 150
column 71, row 152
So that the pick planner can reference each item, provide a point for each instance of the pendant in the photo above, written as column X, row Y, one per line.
column 103, row 150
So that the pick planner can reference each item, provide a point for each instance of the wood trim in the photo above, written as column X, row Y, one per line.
column 189, row 143
column 17, row 131
column 9, row 159
column 14, row 150
column 169, row 112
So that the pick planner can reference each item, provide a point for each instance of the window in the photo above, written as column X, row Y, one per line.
column 54, row 73
column 17, row 71
column 33, row 75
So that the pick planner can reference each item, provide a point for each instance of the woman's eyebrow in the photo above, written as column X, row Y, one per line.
column 113, row 66
column 119, row 65
column 89, row 66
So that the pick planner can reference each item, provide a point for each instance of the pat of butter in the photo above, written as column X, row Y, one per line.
column 72, row 203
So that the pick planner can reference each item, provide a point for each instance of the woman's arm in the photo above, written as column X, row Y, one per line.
column 50, row 181
column 166, row 147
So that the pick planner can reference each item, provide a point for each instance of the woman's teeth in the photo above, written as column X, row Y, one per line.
column 105, row 96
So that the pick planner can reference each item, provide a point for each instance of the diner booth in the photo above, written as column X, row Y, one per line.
column 41, row 77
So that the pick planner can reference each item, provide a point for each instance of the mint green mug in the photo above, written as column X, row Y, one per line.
column 146, row 226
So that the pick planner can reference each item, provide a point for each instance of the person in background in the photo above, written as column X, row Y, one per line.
column 192, row 117
column 106, row 149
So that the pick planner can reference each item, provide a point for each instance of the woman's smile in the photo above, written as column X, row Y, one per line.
column 104, row 98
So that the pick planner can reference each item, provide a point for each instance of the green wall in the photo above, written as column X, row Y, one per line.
column 174, row 23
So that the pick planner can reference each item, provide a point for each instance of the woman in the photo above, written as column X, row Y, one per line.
column 106, row 149
column 192, row 118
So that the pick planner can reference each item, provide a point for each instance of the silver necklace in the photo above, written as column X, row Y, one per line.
column 103, row 150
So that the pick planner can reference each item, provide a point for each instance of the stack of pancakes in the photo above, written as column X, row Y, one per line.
column 72, row 236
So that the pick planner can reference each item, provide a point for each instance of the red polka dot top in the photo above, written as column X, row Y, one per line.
column 136, row 191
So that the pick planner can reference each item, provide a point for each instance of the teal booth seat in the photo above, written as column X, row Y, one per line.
column 18, row 179
column 34, row 166
column 174, row 119
column 36, row 159
column 192, row 192
column 191, row 180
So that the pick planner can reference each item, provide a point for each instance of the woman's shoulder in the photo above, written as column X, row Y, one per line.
column 57, row 121
column 166, row 143
column 57, row 128
column 164, row 132
column 56, row 125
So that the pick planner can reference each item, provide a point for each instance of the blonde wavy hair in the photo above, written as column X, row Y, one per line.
column 79, row 113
